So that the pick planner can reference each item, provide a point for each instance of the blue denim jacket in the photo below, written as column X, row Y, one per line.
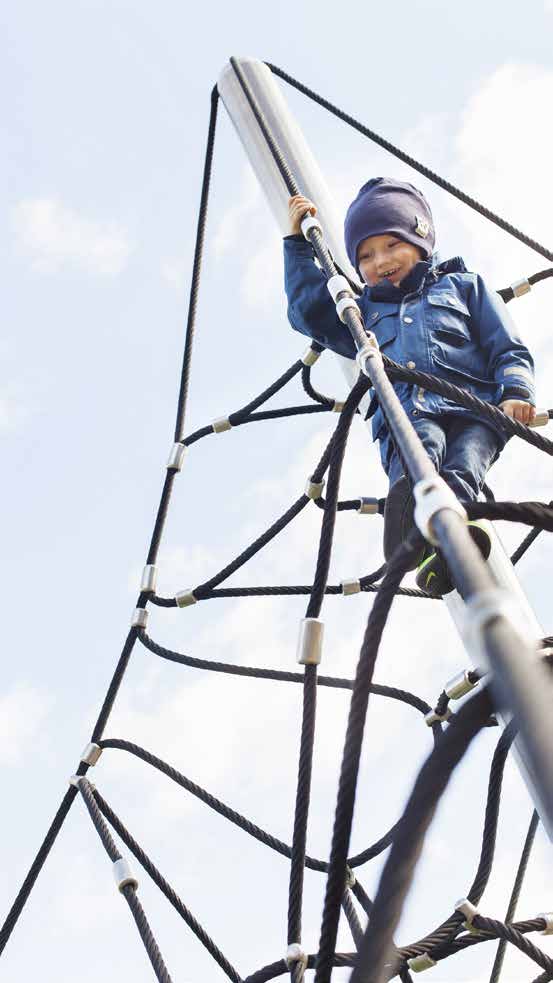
column 441, row 320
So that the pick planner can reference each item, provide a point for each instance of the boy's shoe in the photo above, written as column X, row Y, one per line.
column 398, row 518
column 433, row 576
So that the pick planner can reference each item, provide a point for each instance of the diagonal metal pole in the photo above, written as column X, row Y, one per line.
column 494, row 630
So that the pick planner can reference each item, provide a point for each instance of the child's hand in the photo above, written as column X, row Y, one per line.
column 298, row 207
column 518, row 410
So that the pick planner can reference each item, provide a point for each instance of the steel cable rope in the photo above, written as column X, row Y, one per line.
column 416, row 165
column 397, row 567
column 515, row 894
column 165, row 887
column 162, row 511
column 398, row 871
column 297, row 866
column 243, row 823
column 51, row 835
column 445, row 932
column 301, row 815
column 341, row 959
column 128, row 890
column 433, row 383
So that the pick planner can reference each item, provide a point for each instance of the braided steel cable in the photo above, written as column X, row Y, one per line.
column 412, row 162
column 515, row 894
column 397, row 567
column 128, row 890
column 166, row 888
column 235, row 817
column 444, row 933
column 301, row 814
column 335, row 467
column 435, row 384
column 536, row 514
column 398, row 871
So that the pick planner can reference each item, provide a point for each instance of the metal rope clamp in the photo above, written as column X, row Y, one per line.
column 176, row 457
column 431, row 496
column 548, row 919
column 460, row 685
column 310, row 356
column 310, row 641
column 369, row 350
column 521, row 287
column 123, row 874
column 91, row 754
column 314, row 489
column 308, row 223
column 470, row 911
column 295, row 954
column 421, row 962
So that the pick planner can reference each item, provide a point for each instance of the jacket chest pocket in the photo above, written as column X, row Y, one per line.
column 449, row 320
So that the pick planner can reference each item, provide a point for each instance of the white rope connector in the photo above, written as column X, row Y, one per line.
column 314, row 489
column 176, row 457
column 310, row 356
column 185, row 598
column 310, row 641
column 432, row 495
column 310, row 222
column 368, row 506
column 337, row 285
column 422, row 962
column 123, row 874
column 350, row 586
column 221, row 424
column 139, row 618
column 344, row 304
column 460, row 685
column 470, row 911
column 295, row 954
column 369, row 350
column 338, row 406
column 548, row 919
column 91, row 754
column 521, row 287
column 149, row 578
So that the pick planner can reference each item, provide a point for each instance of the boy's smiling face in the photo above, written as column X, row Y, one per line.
column 386, row 257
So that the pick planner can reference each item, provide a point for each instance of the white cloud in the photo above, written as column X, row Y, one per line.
column 503, row 151
column 22, row 713
column 55, row 237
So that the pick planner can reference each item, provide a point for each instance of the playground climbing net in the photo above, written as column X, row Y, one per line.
column 375, row 957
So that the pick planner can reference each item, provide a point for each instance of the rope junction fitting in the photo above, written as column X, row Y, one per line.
column 441, row 520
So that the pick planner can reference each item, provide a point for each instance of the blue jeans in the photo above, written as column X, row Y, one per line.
column 461, row 449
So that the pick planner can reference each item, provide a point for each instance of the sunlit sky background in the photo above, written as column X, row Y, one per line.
column 105, row 108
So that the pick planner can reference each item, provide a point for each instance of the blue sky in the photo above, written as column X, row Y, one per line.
column 106, row 108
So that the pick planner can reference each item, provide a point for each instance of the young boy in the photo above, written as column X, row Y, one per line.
column 436, row 318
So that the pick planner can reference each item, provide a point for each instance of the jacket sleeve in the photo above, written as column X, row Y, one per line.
column 311, row 310
column 509, row 361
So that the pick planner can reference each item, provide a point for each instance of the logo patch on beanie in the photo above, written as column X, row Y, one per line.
column 422, row 227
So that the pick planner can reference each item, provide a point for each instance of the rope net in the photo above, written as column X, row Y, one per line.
column 375, row 954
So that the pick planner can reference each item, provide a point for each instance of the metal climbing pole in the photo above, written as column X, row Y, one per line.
column 496, row 623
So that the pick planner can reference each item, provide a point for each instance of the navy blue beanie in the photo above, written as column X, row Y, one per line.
column 384, row 206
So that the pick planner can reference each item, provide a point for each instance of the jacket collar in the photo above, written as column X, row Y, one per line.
column 425, row 271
